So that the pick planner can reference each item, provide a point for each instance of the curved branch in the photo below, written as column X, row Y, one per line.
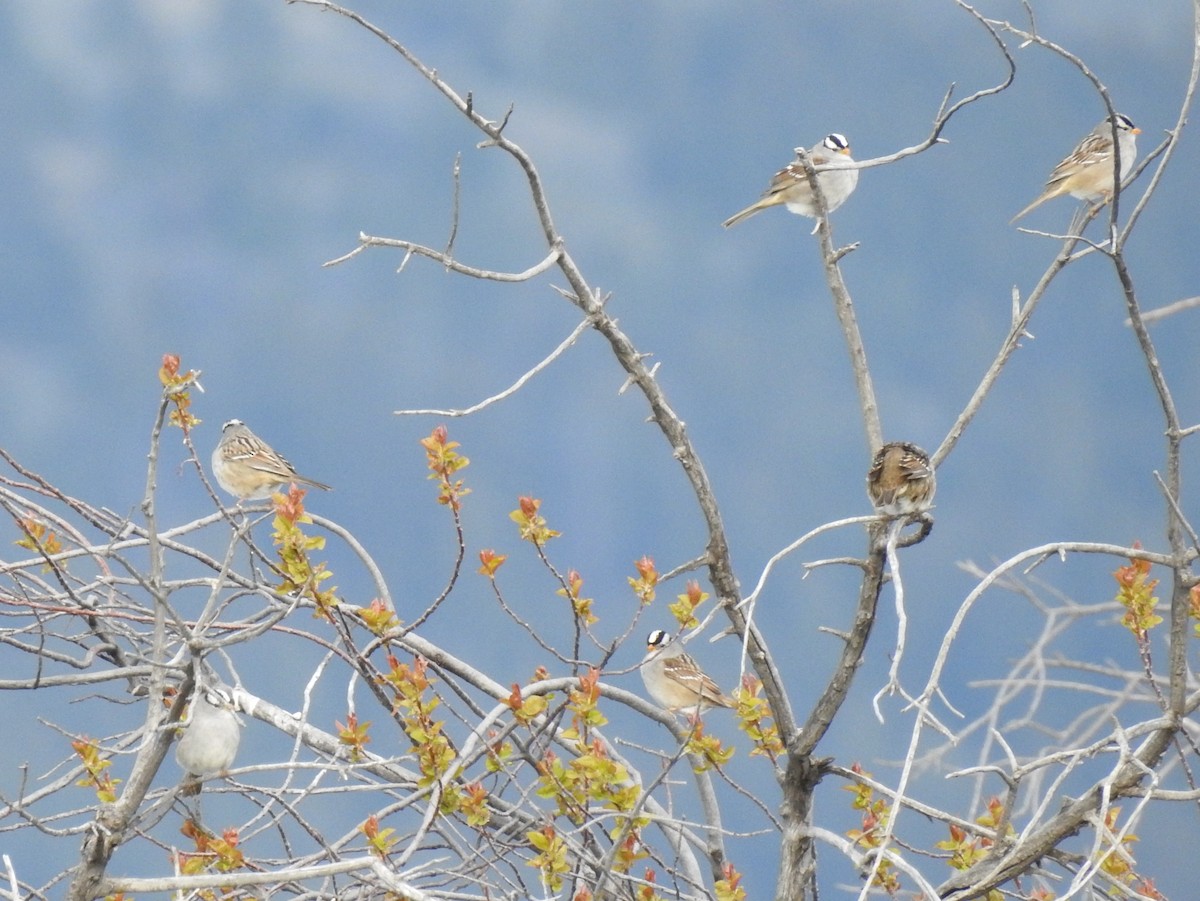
column 591, row 303
column 445, row 259
column 512, row 389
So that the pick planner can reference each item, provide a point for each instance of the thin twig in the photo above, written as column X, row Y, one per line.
column 514, row 387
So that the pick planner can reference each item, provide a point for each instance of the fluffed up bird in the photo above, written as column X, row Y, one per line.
column 247, row 467
column 900, row 481
column 210, row 739
column 1087, row 173
column 674, row 679
column 790, row 185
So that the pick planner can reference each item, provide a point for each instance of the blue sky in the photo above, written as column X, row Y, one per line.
column 177, row 173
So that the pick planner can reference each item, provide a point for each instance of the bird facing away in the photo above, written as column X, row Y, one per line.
column 1087, row 173
column 210, row 740
column 247, row 467
column 900, row 481
column 674, row 679
column 790, row 185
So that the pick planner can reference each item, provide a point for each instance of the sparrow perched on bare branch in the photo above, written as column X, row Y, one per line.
column 790, row 185
column 1088, row 172
column 247, row 467
column 675, row 680
column 900, row 481
column 210, row 740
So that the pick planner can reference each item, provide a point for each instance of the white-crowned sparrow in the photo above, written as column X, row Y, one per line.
column 210, row 739
column 900, row 481
column 675, row 681
column 790, row 185
column 247, row 467
column 1088, row 172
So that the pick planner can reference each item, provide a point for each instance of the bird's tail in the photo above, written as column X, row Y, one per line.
column 313, row 482
column 1037, row 203
column 744, row 214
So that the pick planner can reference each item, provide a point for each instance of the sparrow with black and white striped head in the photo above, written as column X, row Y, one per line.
column 790, row 187
column 210, row 740
column 901, row 481
column 1087, row 172
column 675, row 680
column 248, row 468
